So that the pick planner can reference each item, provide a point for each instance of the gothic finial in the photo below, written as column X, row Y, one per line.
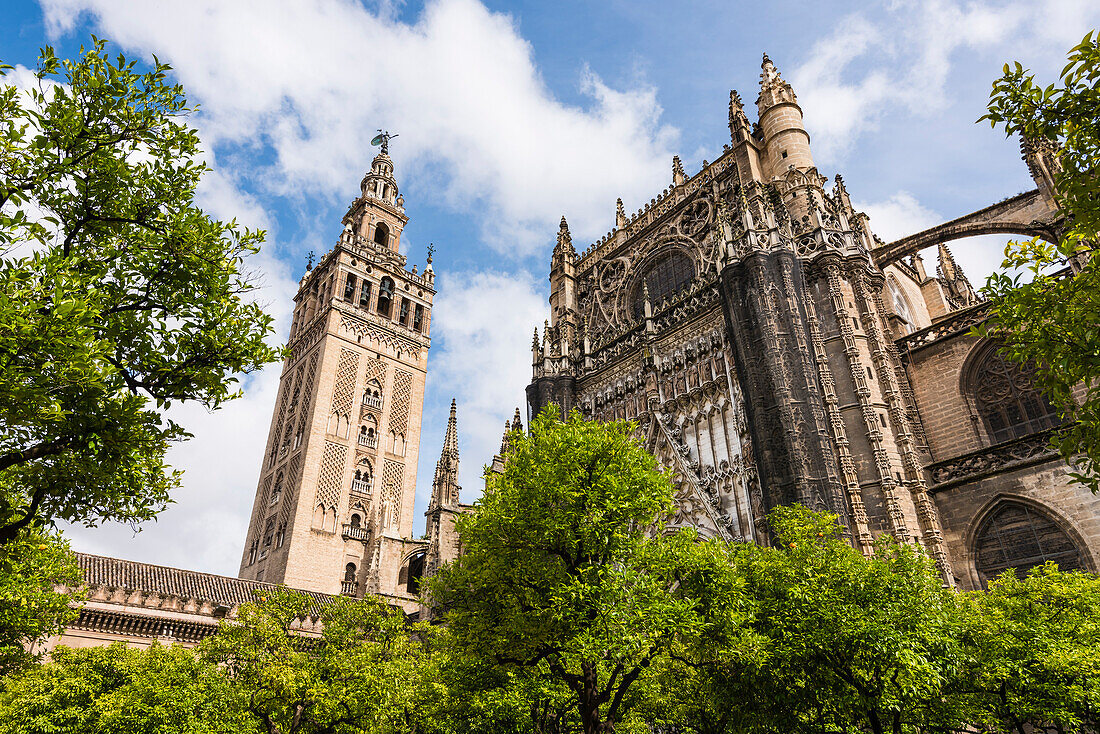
column 517, row 423
column 677, row 170
column 620, row 213
column 738, row 121
column 565, row 241
column 535, row 339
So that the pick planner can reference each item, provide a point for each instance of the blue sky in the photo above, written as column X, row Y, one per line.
column 509, row 116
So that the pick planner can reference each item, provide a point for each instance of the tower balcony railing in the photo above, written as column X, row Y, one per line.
column 372, row 401
column 371, row 442
column 349, row 588
column 355, row 532
column 360, row 486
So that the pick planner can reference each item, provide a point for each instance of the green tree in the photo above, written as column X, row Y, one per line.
column 30, row 609
column 118, row 296
column 566, row 576
column 123, row 689
column 839, row 641
column 1031, row 652
column 356, row 675
column 1052, row 323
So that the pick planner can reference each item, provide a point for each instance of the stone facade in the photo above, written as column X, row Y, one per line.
column 334, row 503
column 773, row 350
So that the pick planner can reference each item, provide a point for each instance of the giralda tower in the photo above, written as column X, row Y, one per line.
column 334, row 505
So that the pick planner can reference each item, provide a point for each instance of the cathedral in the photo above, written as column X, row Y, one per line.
column 770, row 347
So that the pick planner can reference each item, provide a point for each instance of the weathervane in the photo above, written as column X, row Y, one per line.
column 383, row 139
column 431, row 249
column 309, row 260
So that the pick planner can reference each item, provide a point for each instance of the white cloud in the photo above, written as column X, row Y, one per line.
column 459, row 85
column 483, row 321
column 898, row 216
column 867, row 67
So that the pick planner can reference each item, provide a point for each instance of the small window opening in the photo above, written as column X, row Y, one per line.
column 364, row 294
column 418, row 318
column 349, row 287
column 404, row 318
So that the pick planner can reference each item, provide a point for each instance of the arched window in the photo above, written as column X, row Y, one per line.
column 664, row 279
column 382, row 234
column 901, row 306
column 1005, row 398
column 385, row 296
column 356, row 521
column 361, row 482
column 349, row 575
column 415, row 573
column 1017, row 536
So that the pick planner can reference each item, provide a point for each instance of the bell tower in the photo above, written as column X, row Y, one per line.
column 334, row 505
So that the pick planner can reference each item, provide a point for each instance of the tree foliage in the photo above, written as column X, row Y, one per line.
column 123, row 689
column 1048, row 322
column 30, row 608
column 119, row 297
column 566, row 576
column 1031, row 654
column 358, row 675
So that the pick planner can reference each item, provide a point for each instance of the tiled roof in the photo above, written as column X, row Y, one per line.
column 165, row 581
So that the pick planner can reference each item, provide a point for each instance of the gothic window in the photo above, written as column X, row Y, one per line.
column 404, row 312
column 364, row 294
column 349, row 287
column 356, row 521
column 1006, row 400
column 1017, row 536
column 664, row 279
column 382, row 234
column 415, row 573
column 385, row 296
column 418, row 318
column 901, row 306
column 349, row 573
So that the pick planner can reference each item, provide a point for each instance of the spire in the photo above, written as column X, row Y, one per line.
column 450, row 441
column 677, row 171
column 959, row 291
column 445, row 487
column 620, row 214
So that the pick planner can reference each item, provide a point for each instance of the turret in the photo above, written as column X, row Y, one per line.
column 786, row 142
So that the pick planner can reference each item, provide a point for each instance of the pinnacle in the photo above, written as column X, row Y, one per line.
column 766, row 60
column 450, row 441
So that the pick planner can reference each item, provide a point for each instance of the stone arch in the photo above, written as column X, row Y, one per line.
column 1027, row 214
column 1044, row 534
column 1000, row 396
